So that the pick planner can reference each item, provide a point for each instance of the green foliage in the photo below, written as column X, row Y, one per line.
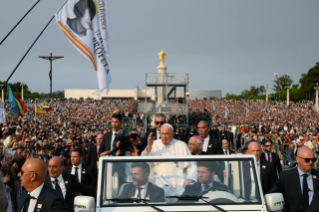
column 261, row 89
column 309, row 80
column 231, row 96
column 295, row 85
column 285, row 81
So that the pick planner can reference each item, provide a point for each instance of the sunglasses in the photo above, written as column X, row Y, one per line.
column 268, row 146
column 307, row 160
column 159, row 122
column 22, row 172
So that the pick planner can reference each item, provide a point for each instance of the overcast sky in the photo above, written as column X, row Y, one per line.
column 226, row 45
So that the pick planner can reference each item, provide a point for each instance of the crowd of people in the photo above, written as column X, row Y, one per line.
column 70, row 141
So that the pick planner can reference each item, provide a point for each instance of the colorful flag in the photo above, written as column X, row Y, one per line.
column 84, row 23
column 2, row 113
column 16, row 105
column 39, row 111
column 44, row 106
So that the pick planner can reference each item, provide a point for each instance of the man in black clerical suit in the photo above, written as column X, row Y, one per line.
column 140, row 187
column 94, row 155
column 205, row 175
column 299, row 185
column 66, row 184
column 82, row 172
column 267, row 174
column 109, row 139
column 211, row 145
column 270, row 156
column 37, row 195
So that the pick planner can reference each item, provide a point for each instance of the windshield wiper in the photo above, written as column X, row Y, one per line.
column 132, row 200
column 195, row 198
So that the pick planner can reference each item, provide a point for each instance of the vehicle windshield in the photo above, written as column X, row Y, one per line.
column 163, row 181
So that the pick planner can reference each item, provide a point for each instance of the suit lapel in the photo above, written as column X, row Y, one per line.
column 66, row 183
column 297, row 179
column 41, row 200
column 83, row 173
column 131, row 191
column 314, row 179
column 23, row 196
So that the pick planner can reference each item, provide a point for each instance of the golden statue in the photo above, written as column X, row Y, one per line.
column 161, row 55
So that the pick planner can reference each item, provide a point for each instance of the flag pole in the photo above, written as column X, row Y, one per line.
column 35, row 110
column 18, row 22
column 26, row 54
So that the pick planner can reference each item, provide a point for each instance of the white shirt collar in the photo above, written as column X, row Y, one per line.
column 60, row 178
column 144, row 186
column 210, row 184
column 301, row 172
column 207, row 138
column 36, row 192
column 79, row 166
column 113, row 133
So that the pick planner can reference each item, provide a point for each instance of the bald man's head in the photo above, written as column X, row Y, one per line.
column 56, row 166
column 305, row 159
column 254, row 149
column 33, row 173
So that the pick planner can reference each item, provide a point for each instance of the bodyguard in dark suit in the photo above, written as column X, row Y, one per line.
column 205, row 175
column 93, row 154
column 270, row 156
column 268, row 176
column 298, row 185
column 38, row 196
column 82, row 172
column 158, row 122
column 109, row 139
column 140, row 187
column 66, row 184
column 212, row 146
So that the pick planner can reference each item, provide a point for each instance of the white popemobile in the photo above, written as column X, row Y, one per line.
column 220, row 183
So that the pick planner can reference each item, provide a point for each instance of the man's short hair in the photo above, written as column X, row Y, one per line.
column 117, row 116
column 210, row 165
column 1, row 144
column 265, row 141
column 39, row 148
column 205, row 122
column 144, row 166
column 80, row 151
column 22, row 148
column 244, row 150
column 160, row 115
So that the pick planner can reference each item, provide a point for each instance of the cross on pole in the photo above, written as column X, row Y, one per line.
column 51, row 58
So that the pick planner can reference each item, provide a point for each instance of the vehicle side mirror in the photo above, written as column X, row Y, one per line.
column 84, row 204
column 275, row 201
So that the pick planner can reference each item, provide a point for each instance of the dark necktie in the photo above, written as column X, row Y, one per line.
column 225, row 152
column 139, row 192
column 58, row 188
column 268, row 157
column 77, row 174
column 27, row 203
column 206, row 187
column 305, row 196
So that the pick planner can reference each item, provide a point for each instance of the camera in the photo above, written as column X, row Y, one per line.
column 125, row 142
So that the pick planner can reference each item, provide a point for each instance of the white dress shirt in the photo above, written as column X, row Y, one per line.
column 226, row 151
column 35, row 193
column 254, row 181
column 61, row 184
column 158, row 135
column 79, row 171
column 309, row 182
column 205, row 144
column 143, row 191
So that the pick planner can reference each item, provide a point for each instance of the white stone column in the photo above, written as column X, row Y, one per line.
column 22, row 93
column 267, row 94
column 316, row 88
column 287, row 87
column 161, row 91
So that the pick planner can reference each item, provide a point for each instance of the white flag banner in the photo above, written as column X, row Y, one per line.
column 247, row 111
column 226, row 112
column 2, row 113
column 84, row 23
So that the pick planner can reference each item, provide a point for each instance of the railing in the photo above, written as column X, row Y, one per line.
column 169, row 79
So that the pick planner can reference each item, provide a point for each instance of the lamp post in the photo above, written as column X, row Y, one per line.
column 316, row 88
column 267, row 93
column 287, row 87
column 22, row 91
column 50, row 73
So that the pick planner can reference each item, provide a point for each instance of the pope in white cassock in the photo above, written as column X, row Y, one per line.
column 171, row 176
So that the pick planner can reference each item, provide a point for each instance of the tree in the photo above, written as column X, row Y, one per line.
column 285, row 81
column 254, row 91
column 231, row 96
column 261, row 89
column 295, row 85
column 309, row 80
column 245, row 93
